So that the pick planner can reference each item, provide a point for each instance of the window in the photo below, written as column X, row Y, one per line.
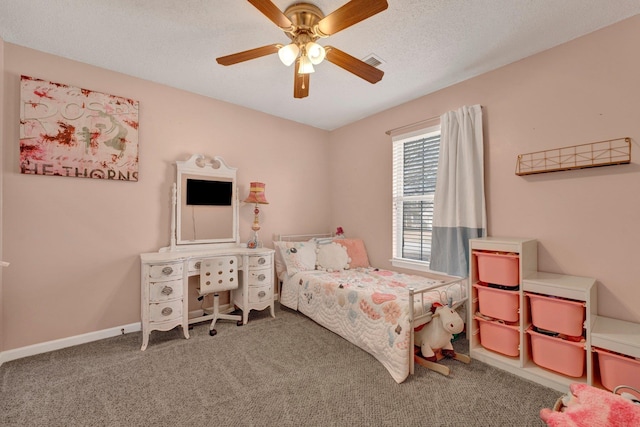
column 415, row 164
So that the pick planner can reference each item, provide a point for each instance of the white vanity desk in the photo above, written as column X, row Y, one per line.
column 204, row 224
column 165, row 279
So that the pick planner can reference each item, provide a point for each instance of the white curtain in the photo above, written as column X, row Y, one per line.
column 459, row 204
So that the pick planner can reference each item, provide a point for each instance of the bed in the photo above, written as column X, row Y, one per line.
column 330, row 281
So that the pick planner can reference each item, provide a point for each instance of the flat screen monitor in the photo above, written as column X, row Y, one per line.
column 202, row 192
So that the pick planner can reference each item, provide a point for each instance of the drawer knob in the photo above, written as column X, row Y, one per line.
column 261, row 277
column 261, row 294
column 261, row 261
column 167, row 290
column 166, row 311
column 167, row 270
column 197, row 265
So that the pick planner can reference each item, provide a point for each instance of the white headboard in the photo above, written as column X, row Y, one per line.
column 301, row 237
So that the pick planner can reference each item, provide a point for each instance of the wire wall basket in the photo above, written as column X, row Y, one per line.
column 601, row 153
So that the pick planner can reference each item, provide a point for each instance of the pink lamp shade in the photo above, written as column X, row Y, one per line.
column 256, row 193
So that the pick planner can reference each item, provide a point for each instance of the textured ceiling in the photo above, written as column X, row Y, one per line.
column 425, row 45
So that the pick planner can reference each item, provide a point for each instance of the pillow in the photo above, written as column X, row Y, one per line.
column 356, row 251
column 298, row 256
column 332, row 257
column 281, row 267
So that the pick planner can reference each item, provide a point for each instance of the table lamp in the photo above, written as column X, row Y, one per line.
column 256, row 196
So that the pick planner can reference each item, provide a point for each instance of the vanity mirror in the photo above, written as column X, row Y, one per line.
column 205, row 204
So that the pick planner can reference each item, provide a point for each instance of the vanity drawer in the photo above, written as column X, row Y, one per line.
column 161, row 312
column 165, row 291
column 260, row 261
column 260, row 294
column 194, row 264
column 165, row 271
column 260, row 277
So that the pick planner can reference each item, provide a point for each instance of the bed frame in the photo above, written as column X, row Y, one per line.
column 415, row 318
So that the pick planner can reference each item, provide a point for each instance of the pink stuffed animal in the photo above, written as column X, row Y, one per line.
column 587, row 406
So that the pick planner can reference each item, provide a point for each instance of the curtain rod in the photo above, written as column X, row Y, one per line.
column 421, row 122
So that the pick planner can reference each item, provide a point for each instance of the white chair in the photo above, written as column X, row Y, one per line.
column 216, row 275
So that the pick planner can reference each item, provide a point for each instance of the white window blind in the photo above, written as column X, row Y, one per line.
column 415, row 164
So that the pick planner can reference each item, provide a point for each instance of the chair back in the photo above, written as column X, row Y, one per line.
column 218, row 274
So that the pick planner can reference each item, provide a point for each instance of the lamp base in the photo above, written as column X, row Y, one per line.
column 254, row 242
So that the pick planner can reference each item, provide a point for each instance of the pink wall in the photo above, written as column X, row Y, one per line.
column 74, row 243
column 1, row 204
column 587, row 222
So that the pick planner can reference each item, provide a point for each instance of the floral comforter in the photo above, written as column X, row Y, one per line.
column 368, row 307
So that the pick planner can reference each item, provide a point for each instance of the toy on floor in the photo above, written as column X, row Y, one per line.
column 587, row 406
column 434, row 338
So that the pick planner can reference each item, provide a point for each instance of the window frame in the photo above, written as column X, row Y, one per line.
column 398, row 197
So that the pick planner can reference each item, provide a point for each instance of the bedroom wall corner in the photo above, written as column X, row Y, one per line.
column 585, row 221
column 2, row 142
column 74, row 243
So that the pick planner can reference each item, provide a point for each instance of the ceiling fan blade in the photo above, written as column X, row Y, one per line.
column 272, row 12
column 350, row 14
column 300, row 82
column 248, row 54
column 353, row 65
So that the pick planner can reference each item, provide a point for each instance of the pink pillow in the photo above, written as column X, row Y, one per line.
column 356, row 251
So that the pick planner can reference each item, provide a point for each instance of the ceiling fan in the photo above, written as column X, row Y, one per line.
column 304, row 24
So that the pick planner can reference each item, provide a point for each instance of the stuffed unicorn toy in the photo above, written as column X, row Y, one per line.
column 437, row 334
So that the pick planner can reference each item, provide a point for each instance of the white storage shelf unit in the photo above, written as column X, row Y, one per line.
column 563, row 286
column 533, row 281
column 618, row 336
column 527, row 250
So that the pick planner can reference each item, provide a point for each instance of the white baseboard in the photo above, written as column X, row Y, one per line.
column 44, row 347
column 32, row 350
column 195, row 313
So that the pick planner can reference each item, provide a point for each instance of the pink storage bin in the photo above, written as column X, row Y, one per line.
column 556, row 354
column 499, row 337
column 557, row 314
column 617, row 369
column 498, row 303
column 499, row 268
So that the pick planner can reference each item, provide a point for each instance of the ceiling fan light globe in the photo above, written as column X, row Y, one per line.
column 315, row 52
column 306, row 67
column 288, row 54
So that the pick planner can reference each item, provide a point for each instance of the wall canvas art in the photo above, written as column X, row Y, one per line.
column 69, row 131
